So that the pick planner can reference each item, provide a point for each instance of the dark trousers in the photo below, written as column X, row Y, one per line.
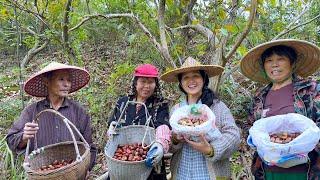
column 159, row 176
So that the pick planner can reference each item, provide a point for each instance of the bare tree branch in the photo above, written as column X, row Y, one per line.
column 31, row 31
column 243, row 35
column 65, row 22
column 295, row 27
column 189, row 11
column 163, row 39
column 33, row 51
column 182, row 27
column 112, row 16
column 155, row 2
column 46, row 6
column 305, row 9
column 228, row 73
column 88, row 7
column 22, row 8
column 35, row 2
column 206, row 32
column 153, row 40
column 65, row 32
column 224, row 40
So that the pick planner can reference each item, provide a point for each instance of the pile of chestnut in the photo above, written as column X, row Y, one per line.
column 191, row 121
column 283, row 137
column 56, row 164
column 131, row 152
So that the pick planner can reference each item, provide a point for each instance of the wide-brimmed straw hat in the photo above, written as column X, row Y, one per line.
column 35, row 85
column 191, row 64
column 308, row 59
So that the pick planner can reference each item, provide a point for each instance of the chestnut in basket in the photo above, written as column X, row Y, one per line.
column 56, row 164
column 283, row 137
column 131, row 152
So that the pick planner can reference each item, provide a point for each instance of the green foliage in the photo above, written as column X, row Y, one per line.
column 236, row 167
column 121, row 70
column 242, row 50
column 236, row 98
column 10, row 106
column 10, row 167
column 29, row 41
column 9, row 111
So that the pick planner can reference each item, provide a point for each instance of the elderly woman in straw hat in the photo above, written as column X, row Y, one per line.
column 145, row 88
column 206, row 159
column 281, row 64
column 54, row 82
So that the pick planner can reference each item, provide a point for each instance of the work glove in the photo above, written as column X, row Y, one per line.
column 111, row 130
column 154, row 154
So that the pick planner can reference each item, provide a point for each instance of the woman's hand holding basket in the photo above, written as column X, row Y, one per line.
column 111, row 130
column 154, row 155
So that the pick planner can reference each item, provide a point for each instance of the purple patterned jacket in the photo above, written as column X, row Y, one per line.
column 306, row 102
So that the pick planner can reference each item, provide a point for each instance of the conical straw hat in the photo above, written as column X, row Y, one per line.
column 308, row 59
column 191, row 64
column 36, row 87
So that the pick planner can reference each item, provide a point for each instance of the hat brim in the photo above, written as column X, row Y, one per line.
column 35, row 85
column 172, row 76
column 308, row 59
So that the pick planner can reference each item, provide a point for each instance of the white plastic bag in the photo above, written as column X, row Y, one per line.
column 295, row 151
column 207, row 127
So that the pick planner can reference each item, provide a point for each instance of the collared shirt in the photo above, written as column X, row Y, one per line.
column 193, row 164
column 51, row 127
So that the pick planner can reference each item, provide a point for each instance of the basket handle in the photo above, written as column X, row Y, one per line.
column 148, row 118
column 68, row 124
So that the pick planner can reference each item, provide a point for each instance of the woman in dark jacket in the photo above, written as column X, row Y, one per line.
column 145, row 89
column 281, row 64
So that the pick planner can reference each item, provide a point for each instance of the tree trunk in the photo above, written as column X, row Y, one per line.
column 216, row 60
column 214, row 83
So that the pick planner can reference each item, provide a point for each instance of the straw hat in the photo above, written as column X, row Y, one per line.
column 36, row 87
column 191, row 64
column 308, row 59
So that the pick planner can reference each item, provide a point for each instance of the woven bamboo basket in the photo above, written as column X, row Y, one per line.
column 129, row 170
column 125, row 170
column 78, row 151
